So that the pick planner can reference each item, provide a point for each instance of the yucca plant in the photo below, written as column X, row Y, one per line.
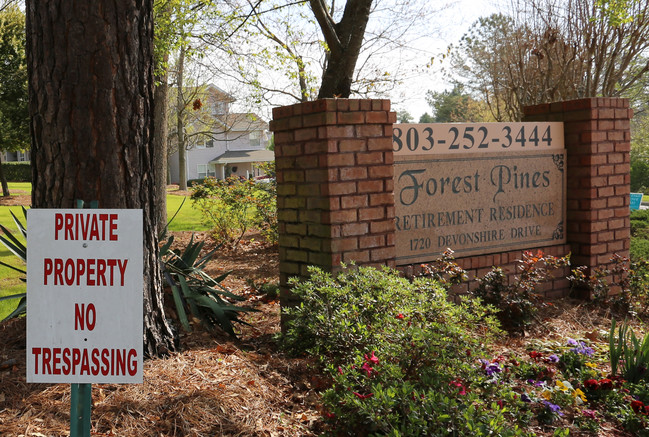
column 194, row 291
column 629, row 352
column 19, row 249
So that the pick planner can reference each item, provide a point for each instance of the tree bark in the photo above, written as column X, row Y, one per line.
column 344, row 40
column 160, row 130
column 3, row 181
column 180, row 123
column 90, row 66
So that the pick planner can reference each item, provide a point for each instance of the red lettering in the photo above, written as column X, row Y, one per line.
column 47, row 356
column 56, row 360
column 48, row 266
column 132, row 364
column 69, row 227
column 36, row 351
column 81, row 269
column 101, row 270
column 95, row 362
column 58, row 224
column 122, row 269
column 90, row 281
column 76, row 359
column 66, row 361
column 103, row 218
column 58, row 271
column 85, row 364
column 113, row 227
column 105, row 368
column 94, row 230
column 69, row 271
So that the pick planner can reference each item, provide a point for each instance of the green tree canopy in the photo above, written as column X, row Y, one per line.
column 457, row 106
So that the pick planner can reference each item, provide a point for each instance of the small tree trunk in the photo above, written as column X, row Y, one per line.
column 160, row 130
column 180, row 122
column 3, row 181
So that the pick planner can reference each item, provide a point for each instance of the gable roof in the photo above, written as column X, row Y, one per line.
column 237, row 156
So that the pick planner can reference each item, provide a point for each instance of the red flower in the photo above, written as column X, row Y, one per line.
column 329, row 415
column 536, row 355
column 360, row 396
column 591, row 384
column 400, row 316
column 457, row 383
column 637, row 406
column 500, row 403
column 340, row 370
column 372, row 358
column 606, row 384
column 368, row 369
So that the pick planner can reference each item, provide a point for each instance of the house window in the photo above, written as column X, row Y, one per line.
column 200, row 143
column 210, row 143
column 255, row 139
column 202, row 171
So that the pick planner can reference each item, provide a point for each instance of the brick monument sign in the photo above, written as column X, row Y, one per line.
column 354, row 186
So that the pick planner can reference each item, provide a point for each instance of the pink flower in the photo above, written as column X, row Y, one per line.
column 368, row 369
column 360, row 396
column 372, row 358
column 589, row 413
column 340, row 370
column 457, row 383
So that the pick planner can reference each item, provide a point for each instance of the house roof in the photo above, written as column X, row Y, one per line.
column 237, row 156
column 242, row 122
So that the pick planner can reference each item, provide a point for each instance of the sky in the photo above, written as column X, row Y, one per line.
column 454, row 22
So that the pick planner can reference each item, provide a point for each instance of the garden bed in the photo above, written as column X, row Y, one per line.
column 219, row 386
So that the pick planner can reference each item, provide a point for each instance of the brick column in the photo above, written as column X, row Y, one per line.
column 334, row 184
column 597, row 137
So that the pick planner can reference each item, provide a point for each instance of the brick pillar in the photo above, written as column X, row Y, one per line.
column 597, row 138
column 334, row 185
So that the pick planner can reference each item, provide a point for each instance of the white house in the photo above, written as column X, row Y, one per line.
column 225, row 143
column 17, row 156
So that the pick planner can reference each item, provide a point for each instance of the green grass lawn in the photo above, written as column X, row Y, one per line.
column 187, row 219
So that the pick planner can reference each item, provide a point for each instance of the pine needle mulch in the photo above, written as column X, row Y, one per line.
column 213, row 388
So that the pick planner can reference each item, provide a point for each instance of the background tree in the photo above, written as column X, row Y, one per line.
column 550, row 50
column 14, row 113
column 457, row 106
column 426, row 118
column 91, row 100
column 404, row 116
column 282, row 49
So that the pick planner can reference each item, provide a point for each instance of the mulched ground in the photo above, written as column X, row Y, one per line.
column 214, row 386
column 217, row 386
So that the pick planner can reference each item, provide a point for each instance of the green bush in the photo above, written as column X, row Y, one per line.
column 402, row 357
column 232, row 206
column 17, row 171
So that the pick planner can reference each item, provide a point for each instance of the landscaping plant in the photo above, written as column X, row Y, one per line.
column 232, row 206
column 195, row 292
column 20, row 250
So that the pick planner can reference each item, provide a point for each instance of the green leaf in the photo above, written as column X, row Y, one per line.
column 180, row 308
column 21, row 309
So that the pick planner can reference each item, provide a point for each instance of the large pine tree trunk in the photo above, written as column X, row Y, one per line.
column 90, row 68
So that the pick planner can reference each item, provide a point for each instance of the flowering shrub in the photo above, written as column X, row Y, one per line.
column 403, row 359
column 516, row 302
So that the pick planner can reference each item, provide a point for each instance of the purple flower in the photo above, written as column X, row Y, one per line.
column 553, row 407
column 572, row 342
column 492, row 368
column 553, row 358
column 582, row 349
column 525, row 398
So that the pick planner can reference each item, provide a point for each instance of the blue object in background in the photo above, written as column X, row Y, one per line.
column 636, row 199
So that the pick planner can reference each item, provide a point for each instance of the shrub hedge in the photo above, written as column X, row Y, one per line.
column 17, row 171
